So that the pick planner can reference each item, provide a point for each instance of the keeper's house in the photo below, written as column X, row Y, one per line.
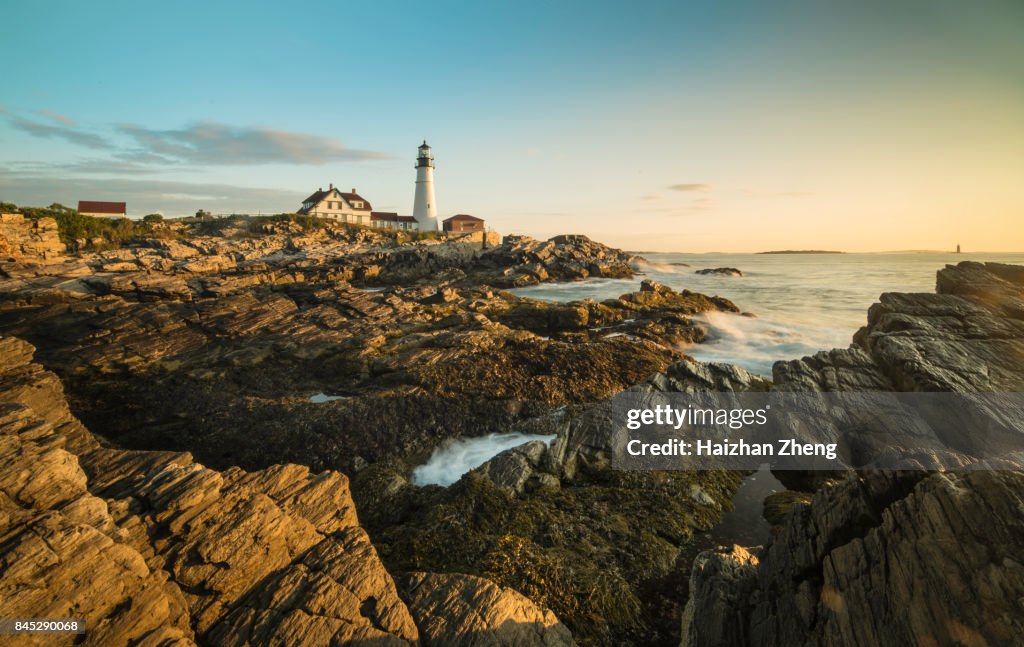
column 102, row 209
column 462, row 224
column 345, row 207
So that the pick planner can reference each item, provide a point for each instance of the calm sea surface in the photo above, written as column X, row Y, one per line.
column 804, row 302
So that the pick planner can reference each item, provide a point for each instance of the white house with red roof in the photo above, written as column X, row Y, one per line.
column 338, row 205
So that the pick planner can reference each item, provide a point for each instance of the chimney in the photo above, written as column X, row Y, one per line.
column 319, row 189
column 331, row 188
column 353, row 190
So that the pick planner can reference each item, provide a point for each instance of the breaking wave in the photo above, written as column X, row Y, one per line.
column 456, row 457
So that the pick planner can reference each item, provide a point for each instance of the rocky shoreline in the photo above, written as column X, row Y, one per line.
column 189, row 355
column 153, row 548
column 890, row 558
column 210, row 346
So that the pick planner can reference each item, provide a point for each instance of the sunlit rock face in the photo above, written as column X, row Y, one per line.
column 27, row 240
column 152, row 547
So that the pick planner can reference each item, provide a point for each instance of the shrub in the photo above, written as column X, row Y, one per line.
column 73, row 226
column 307, row 223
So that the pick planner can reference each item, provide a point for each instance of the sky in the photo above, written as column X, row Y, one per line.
column 723, row 125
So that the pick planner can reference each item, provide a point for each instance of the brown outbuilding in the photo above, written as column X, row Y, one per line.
column 391, row 220
column 462, row 223
column 102, row 209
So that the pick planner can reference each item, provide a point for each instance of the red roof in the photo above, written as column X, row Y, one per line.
column 355, row 196
column 317, row 197
column 92, row 206
column 463, row 217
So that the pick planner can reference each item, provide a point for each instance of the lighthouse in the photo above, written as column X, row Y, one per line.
column 424, row 209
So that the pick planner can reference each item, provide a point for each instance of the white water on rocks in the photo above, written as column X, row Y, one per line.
column 804, row 303
column 320, row 398
column 456, row 457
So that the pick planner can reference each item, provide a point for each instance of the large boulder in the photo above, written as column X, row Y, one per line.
column 720, row 581
column 883, row 559
column 467, row 611
column 29, row 240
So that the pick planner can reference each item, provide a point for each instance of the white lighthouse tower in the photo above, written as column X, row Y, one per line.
column 424, row 209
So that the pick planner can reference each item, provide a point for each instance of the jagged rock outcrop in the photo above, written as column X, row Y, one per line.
column 284, row 252
column 891, row 558
column 966, row 337
column 468, row 611
column 160, row 351
column 882, row 559
column 655, row 312
column 137, row 345
column 584, row 441
column 521, row 260
column 154, row 548
column 25, row 240
column 515, row 468
column 61, row 553
column 720, row 581
column 720, row 271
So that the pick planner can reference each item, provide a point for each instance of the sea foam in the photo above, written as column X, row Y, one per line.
column 456, row 457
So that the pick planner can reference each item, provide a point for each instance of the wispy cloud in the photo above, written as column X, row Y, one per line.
column 211, row 143
column 694, row 186
column 132, row 152
column 56, row 116
column 145, row 196
column 67, row 133
column 95, row 166
column 697, row 197
column 199, row 144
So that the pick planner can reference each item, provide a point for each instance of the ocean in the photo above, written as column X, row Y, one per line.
column 803, row 302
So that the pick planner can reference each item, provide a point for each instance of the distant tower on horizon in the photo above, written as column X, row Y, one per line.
column 958, row 248
column 424, row 208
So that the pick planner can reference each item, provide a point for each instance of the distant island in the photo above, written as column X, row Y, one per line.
column 802, row 251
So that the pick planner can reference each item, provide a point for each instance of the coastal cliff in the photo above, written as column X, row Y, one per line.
column 891, row 558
